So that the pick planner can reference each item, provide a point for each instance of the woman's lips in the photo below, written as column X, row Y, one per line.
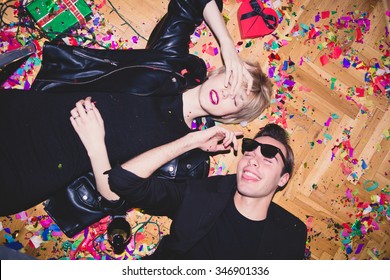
column 214, row 97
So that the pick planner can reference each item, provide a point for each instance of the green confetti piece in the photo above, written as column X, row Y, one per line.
column 305, row 26
column 275, row 45
column 328, row 136
column 346, row 241
column 335, row 116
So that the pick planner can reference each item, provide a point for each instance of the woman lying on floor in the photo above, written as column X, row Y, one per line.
column 144, row 97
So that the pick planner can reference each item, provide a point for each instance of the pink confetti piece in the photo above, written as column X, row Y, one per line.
column 22, row 216
column 324, row 59
column 46, row 222
column 212, row 51
column 337, row 51
column 360, row 92
column 351, row 150
column 327, row 123
column 346, row 170
column 325, row 14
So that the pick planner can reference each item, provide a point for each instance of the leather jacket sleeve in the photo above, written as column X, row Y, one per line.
column 164, row 68
column 173, row 31
column 140, row 72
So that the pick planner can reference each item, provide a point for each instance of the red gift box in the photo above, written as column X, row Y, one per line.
column 254, row 20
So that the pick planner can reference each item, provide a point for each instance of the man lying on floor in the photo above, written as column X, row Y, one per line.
column 220, row 217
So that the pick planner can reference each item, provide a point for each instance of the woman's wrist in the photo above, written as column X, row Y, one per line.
column 97, row 151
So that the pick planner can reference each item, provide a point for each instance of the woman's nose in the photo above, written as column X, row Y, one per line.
column 226, row 94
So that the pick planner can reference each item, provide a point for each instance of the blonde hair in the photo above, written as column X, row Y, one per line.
column 261, row 91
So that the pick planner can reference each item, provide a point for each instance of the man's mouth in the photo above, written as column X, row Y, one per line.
column 247, row 175
column 214, row 97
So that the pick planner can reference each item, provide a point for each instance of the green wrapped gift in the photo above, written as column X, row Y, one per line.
column 59, row 16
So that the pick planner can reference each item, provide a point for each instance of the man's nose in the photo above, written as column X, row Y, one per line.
column 254, row 162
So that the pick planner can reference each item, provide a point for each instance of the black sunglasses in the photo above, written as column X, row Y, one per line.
column 269, row 151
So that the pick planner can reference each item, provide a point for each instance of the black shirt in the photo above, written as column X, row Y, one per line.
column 233, row 236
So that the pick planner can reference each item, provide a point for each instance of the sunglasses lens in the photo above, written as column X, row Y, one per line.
column 249, row 145
column 268, row 151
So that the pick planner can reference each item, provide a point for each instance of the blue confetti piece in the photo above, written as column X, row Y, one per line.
column 364, row 164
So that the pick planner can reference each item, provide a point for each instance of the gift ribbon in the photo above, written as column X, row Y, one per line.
column 72, row 7
column 68, row 4
column 269, row 20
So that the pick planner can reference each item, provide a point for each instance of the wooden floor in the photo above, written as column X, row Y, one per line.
column 327, row 61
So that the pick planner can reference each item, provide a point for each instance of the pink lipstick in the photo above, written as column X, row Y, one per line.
column 214, row 97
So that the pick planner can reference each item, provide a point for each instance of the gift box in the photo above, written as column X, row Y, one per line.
column 254, row 20
column 56, row 17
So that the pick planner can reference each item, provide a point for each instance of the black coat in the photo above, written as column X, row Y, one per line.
column 138, row 93
column 194, row 207
column 165, row 67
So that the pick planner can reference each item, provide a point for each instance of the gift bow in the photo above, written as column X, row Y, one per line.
column 269, row 20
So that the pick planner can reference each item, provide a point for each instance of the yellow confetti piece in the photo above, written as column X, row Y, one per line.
column 375, row 198
column 371, row 254
column 33, row 228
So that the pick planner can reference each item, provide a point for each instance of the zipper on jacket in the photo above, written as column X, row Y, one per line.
column 104, row 60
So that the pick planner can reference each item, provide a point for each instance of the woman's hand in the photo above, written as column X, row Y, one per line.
column 236, row 69
column 216, row 139
column 89, row 125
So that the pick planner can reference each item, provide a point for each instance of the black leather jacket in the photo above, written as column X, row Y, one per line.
column 165, row 67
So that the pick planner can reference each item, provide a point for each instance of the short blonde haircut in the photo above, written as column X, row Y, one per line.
column 261, row 91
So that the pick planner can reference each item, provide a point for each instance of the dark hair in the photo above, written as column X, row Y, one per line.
column 280, row 134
